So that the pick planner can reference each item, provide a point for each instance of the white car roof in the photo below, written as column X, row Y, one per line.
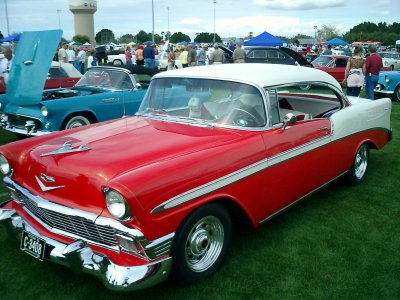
column 68, row 68
column 259, row 74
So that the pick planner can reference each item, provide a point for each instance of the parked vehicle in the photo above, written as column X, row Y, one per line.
column 133, row 199
column 334, row 65
column 59, row 75
column 103, row 93
column 388, row 85
column 274, row 55
column 162, row 59
column 116, row 59
column 391, row 60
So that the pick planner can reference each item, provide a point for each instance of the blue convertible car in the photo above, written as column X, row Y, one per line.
column 388, row 85
column 103, row 93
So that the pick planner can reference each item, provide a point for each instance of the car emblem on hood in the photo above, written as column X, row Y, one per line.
column 46, row 178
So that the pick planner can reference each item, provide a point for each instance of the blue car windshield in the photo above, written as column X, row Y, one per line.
column 106, row 78
column 212, row 101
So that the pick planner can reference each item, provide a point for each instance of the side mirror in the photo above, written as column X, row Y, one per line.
column 289, row 119
column 138, row 86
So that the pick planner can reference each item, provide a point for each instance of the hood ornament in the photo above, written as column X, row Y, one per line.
column 67, row 148
column 47, row 188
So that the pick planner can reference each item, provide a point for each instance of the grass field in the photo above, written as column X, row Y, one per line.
column 340, row 243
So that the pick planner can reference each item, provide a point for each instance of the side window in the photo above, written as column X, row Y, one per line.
column 258, row 53
column 274, row 106
column 272, row 53
column 341, row 63
column 57, row 73
column 305, row 100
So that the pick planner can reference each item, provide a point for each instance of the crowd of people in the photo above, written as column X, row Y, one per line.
column 359, row 69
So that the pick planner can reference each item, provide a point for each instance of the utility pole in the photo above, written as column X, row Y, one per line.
column 8, row 25
column 215, row 2
column 152, row 13
column 59, row 18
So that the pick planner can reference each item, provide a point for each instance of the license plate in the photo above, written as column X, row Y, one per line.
column 33, row 245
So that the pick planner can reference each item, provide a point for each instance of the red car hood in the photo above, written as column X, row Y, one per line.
column 115, row 149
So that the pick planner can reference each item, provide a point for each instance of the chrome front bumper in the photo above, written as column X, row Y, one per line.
column 81, row 258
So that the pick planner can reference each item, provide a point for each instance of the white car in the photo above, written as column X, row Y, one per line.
column 391, row 60
column 163, row 61
column 119, row 59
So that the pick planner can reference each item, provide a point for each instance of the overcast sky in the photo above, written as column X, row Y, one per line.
column 233, row 18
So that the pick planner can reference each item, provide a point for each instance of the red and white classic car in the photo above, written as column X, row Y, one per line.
column 134, row 199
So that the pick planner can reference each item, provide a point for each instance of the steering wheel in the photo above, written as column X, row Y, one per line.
column 241, row 117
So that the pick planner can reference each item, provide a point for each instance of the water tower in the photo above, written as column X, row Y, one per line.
column 83, row 11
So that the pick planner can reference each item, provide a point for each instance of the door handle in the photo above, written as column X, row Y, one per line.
column 326, row 128
column 109, row 100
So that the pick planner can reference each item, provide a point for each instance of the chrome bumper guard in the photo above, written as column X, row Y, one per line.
column 29, row 128
column 383, row 92
column 81, row 258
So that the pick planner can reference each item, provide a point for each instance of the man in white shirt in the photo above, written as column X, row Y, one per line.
column 5, row 65
column 71, row 55
column 81, row 60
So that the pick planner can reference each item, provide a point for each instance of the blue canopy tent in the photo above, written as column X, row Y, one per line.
column 11, row 38
column 336, row 41
column 265, row 39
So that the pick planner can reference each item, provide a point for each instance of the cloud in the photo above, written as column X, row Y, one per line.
column 298, row 4
column 193, row 21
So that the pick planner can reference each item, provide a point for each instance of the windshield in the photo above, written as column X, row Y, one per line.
column 322, row 61
column 106, row 78
column 204, row 100
column 387, row 55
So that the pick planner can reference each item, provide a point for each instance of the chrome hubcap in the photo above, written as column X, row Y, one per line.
column 204, row 244
column 361, row 162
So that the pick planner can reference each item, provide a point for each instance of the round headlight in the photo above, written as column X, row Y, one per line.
column 116, row 204
column 4, row 165
column 44, row 111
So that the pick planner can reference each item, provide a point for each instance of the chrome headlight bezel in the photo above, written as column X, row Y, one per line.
column 5, row 167
column 44, row 111
column 116, row 204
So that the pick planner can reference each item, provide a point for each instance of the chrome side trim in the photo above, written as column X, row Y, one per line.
column 240, row 174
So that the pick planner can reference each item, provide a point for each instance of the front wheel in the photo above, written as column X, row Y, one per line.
column 117, row 62
column 201, row 243
column 358, row 170
column 396, row 94
column 76, row 121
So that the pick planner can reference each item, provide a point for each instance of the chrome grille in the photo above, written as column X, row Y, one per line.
column 71, row 224
column 19, row 121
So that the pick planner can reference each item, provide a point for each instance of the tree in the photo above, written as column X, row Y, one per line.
column 367, row 31
column 142, row 37
column 327, row 32
column 1, row 35
column 81, row 38
column 126, row 38
column 206, row 37
column 104, row 36
column 179, row 37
